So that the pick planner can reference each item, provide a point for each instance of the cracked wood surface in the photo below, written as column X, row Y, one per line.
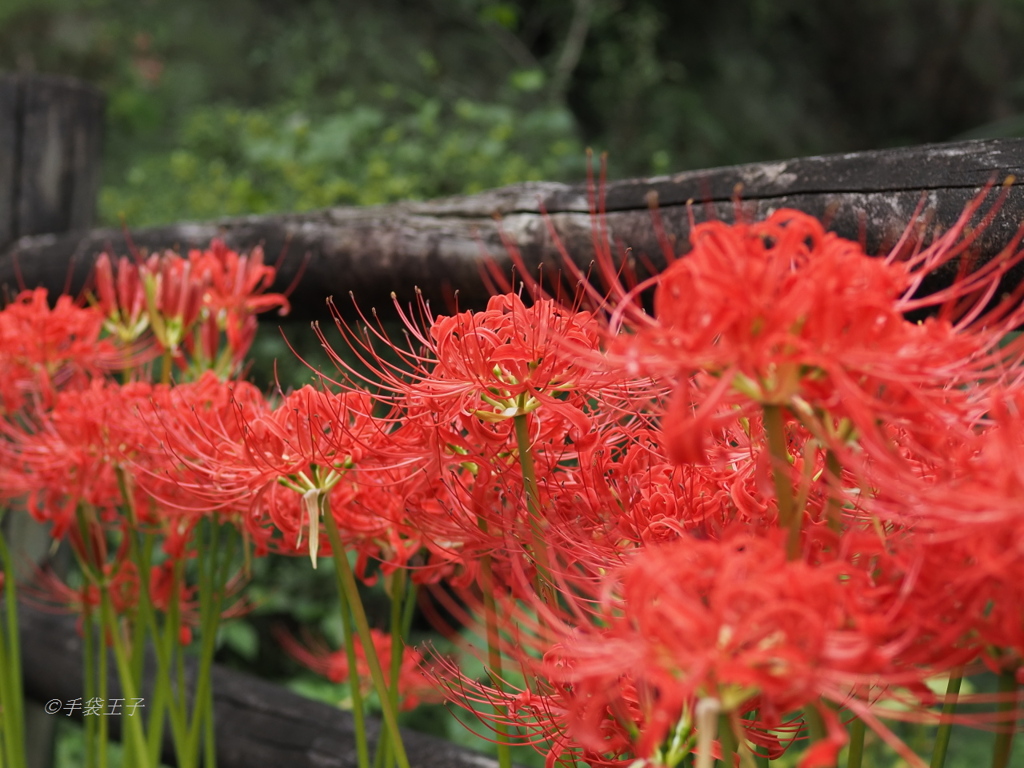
column 440, row 245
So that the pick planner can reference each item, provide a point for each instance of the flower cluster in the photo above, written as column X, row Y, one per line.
column 775, row 507
column 790, row 497
column 92, row 447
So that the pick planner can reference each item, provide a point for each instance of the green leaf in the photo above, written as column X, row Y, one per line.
column 241, row 638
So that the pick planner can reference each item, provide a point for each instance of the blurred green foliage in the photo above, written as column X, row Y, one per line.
column 249, row 106
column 234, row 161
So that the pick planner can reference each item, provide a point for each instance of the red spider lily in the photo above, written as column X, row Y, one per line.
column 626, row 494
column 235, row 293
column 72, row 454
column 487, row 367
column 965, row 510
column 537, row 717
column 122, row 298
column 98, row 444
column 196, row 424
column 308, row 444
column 188, row 429
column 414, row 687
column 237, row 283
column 508, row 357
column 781, row 312
column 732, row 621
column 273, row 464
column 367, row 517
column 42, row 349
column 172, row 294
column 470, row 502
column 121, row 582
column 465, row 394
column 457, row 504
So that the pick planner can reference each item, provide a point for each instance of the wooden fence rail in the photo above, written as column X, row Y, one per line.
column 438, row 245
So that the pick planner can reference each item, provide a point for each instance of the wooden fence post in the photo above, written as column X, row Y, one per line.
column 51, row 131
column 50, row 154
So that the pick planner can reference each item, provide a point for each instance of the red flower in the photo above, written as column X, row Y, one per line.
column 484, row 368
column 43, row 349
column 965, row 510
column 414, row 687
column 71, row 454
column 732, row 621
column 781, row 312
column 236, row 284
column 217, row 289
column 272, row 465
column 122, row 298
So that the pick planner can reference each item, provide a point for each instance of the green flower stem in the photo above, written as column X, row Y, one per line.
column 12, row 714
column 209, row 740
column 1003, row 746
column 348, row 585
column 945, row 729
column 347, row 610
column 504, row 750
column 215, row 564
column 133, row 737
column 160, row 704
column 89, row 684
column 138, row 643
column 165, row 366
column 145, row 622
column 494, row 657
column 103, row 738
column 141, row 557
column 207, row 553
column 11, row 739
column 815, row 724
column 363, row 629
column 95, row 740
column 409, row 609
column 857, row 733
column 789, row 517
column 680, row 746
column 141, row 553
column 726, row 740
column 168, row 649
column 833, row 511
column 399, row 587
column 538, row 545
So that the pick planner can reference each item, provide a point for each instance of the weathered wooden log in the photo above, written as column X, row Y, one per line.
column 51, row 132
column 258, row 724
column 439, row 245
